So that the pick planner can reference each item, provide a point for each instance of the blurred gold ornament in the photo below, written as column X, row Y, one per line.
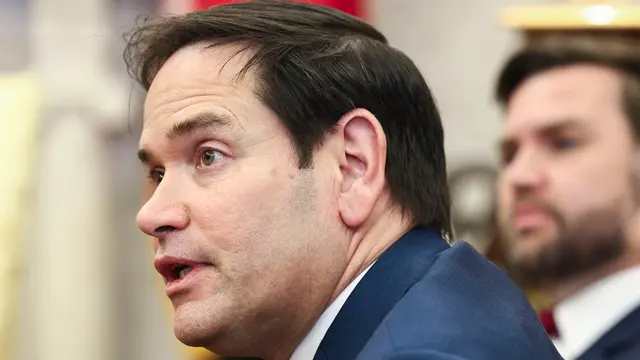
column 574, row 15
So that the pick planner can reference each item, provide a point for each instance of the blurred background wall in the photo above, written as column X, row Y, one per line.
column 81, row 272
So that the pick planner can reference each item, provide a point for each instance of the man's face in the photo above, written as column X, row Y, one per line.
column 261, row 238
column 566, row 186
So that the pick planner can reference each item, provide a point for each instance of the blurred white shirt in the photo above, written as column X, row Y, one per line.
column 585, row 317
column 307, row 348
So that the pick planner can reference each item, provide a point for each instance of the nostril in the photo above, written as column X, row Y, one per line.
column 164, row 229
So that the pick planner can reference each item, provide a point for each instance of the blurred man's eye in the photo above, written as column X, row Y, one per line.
column 508, row 152
column 564, row 143
column 507, row 157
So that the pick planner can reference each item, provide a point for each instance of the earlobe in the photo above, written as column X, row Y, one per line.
column 363, row 165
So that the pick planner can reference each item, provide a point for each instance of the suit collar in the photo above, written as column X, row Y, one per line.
column 621, row 337
column 590, row 313
column 400, row 267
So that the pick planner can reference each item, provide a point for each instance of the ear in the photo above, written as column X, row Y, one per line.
column 362, row 165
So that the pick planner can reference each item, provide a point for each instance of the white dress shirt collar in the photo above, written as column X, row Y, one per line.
column 585, row 317
column 306, row 350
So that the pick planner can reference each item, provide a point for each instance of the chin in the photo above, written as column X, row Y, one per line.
column 202, row 331
column 530, row 251
column 531, row 240
column 197, row 325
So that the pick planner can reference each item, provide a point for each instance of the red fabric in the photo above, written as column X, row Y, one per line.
column 353, row 7
column 549, row 322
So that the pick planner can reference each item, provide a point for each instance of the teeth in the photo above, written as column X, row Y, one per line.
column 184, row 271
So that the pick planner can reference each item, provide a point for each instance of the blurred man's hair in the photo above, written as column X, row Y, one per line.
column 620, row 53
column 314, row 64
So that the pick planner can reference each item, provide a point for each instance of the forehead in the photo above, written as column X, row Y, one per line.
column 585, row 95
column 198, row 79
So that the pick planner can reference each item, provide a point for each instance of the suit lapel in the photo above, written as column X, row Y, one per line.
column 399, row 268
column 622, row 337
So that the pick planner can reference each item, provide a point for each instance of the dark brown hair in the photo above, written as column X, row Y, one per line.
column 551, row 51
column 313, row 65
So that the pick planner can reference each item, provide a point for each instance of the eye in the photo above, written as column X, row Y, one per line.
column 507, row 153
column 506, row 158
column 156, row 175
column 209, row 157
column 564, row 143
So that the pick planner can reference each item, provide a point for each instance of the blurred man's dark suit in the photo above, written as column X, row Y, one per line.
column 600, row 322
column 622, row 342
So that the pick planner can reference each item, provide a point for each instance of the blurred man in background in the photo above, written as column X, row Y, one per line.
column 301, row 195
column 569, row 189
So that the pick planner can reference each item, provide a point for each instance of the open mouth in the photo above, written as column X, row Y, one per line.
column 180, row 271
column 173, row 269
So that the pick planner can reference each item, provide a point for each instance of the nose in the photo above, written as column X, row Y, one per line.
column 526, row 173
column 161, row 214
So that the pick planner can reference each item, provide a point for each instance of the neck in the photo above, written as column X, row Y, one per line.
column 295, row 328
column 560, row 291
column 369, row 242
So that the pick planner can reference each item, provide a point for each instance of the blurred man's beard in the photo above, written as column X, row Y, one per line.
column 593, row 240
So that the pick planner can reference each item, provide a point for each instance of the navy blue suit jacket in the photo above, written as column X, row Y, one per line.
column 622, row 342
column 425, row 300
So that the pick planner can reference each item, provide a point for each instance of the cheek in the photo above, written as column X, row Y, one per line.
column 233, row 212
column 504, row 199
column 242, row 215
column 587, row 188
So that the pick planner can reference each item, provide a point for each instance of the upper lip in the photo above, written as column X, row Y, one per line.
column 527, row 209
column 169, row 266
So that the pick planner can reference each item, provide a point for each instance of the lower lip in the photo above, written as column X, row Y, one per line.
column 181, row 285
column 530, row 220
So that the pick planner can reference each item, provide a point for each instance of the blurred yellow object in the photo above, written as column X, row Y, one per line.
column 576, row 14
column 201, row 354
column 19, row 113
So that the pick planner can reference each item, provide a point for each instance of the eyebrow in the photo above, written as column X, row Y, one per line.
column 508, row 142
column 205, row 120
column 558, row 127
column 144, row 156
